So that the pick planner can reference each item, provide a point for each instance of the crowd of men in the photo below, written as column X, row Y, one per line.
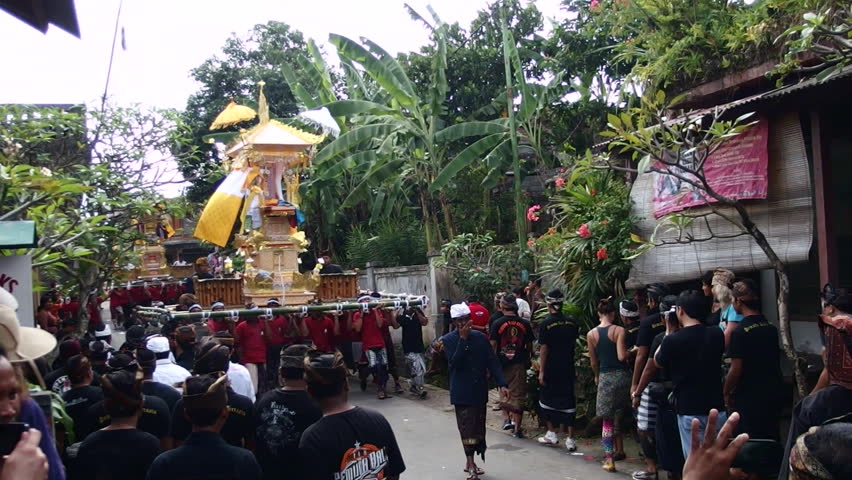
column 264, row 396
column 669, row 367
column 267, row 396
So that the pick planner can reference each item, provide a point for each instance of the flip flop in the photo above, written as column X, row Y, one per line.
column 476, row 472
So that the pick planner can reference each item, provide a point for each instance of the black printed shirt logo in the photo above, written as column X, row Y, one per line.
column 363, row 462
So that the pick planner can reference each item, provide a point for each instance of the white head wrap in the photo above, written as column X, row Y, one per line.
column 459, row 310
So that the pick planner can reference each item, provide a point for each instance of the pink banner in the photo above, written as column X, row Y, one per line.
column 736, row 170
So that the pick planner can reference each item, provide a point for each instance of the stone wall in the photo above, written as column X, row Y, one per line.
column 436, row 283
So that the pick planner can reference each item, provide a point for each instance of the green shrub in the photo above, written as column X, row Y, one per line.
column 394, row 243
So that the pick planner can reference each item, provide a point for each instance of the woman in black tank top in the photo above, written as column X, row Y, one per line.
column 608, row 352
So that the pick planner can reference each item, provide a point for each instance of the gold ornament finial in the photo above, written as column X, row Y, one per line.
column 262, row 106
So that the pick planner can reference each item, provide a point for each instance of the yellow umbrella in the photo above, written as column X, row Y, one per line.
column 232, row 115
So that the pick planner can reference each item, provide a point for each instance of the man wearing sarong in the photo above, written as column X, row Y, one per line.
column 470, row 360
column 557, row 405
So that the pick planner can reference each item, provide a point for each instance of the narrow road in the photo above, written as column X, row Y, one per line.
column 430, row 445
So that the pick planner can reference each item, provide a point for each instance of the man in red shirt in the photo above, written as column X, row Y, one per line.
column 479, row 315
column 322, row 328
column 251, row 336
column 226, row 324
column 369, row 324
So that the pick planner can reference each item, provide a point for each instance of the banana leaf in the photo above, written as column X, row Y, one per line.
column 469, row 129
column 474, row 152
column 346, row 108
column 377, row 69
column 352, row 139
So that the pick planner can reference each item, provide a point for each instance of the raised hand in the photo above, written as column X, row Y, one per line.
column 712, row 459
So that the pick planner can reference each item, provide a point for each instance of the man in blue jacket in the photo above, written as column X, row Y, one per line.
column 471, row 359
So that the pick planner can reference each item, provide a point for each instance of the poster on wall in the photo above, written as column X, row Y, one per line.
column 737, row 169
column 16, row 277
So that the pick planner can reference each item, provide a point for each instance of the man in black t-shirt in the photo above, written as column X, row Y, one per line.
column 629, row 313
column 649, row 327
column 282, row 415
column 754, row 382
column 238, row 429
column 348, row 441
column 646, row 414
column 204, row 454
column 154, row 419
column 693, row 358
column 412, row 322
column 57, row 380
column 557, row 336
column 147, row 361
column 82, row 394
column 120, row 450
column 511, row 338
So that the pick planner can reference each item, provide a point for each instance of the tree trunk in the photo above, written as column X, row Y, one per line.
column 448, row 214
column 427, row 221
column 783, row 297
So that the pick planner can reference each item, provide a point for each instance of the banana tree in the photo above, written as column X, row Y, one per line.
column 382, row 195
column 494, row 146
column 392, row 129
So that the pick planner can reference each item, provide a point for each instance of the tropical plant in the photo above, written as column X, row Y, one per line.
column 675, row 44
column 481, row 268
column 86, row 213
column 823, row 32
column 390, row 243
column 591, row 241
column 393, row 134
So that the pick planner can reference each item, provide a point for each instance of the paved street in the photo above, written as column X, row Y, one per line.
column 430, row 445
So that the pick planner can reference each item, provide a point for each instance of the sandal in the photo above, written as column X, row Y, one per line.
column 609, row 466
column 382, row 395
column 476, row 471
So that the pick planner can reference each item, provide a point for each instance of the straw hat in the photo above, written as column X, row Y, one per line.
column 8, row 299
column 22, row 343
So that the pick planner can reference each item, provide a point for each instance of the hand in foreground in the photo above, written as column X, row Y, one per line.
column 712, row 460
column 464, row 331
column 635, row 400
column 541, row 378
column 26, row 460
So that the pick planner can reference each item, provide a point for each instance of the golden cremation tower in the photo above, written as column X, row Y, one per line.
column 270, row 156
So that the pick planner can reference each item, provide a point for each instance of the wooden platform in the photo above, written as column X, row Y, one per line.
column 337, row 286
column 226, row 290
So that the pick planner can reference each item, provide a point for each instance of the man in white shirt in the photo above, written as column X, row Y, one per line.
column 524, row 310
column 240, row 380
column 167, row 371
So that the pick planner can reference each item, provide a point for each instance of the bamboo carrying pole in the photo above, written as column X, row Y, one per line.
column 152, row 313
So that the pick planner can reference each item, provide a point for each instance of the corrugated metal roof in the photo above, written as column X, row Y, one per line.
column 807, row 84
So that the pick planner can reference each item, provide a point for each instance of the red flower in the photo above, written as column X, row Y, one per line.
column 584, row 231
column 533, row 213
column 531, row 242
column 594, row 4
column 601, row 254
column 593, row 192
column 560, row 182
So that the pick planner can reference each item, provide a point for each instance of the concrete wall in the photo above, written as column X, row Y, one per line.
column 436, row 283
